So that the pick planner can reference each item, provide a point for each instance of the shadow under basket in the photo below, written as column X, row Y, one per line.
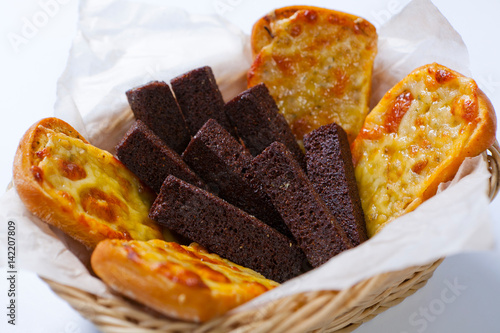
column 322, row 311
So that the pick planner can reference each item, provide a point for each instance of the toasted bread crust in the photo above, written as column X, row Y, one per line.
column 261, row 34
column 34, row 198
column 262, row 31
column 416, row 138
column 317, row 64
column 55, row 205
column 183, row 282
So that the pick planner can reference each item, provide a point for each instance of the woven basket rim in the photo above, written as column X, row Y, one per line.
column 493, row 157
column 330, row 310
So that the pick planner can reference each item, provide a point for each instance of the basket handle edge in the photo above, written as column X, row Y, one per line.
column 493, row 159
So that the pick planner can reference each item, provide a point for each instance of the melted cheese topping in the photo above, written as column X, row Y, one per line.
column 96, row 187
column 318, row 69
column 193, row 266
column 409, row 138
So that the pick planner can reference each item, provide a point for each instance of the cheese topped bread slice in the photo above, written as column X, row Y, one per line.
column 183, row 282
column 416, row 138
column 83, row 190
column 317, row 64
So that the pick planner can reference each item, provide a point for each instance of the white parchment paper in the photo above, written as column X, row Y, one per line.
column 122, row 44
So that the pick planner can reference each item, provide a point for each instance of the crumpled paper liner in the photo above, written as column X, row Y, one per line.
column 122, row 44
column 417, row 36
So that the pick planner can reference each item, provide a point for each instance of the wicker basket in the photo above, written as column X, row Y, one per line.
column 325, row 311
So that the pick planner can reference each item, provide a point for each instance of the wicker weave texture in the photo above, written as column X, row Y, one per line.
column 319, row 311
column 325, row 311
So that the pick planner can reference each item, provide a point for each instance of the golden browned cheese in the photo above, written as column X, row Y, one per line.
column 317, row 64
column 183, row 282
column 83, row 190
column 416, row 138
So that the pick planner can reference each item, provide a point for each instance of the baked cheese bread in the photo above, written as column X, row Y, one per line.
column 317, row 64
column 416, row 138
column 183, row 282
column 80, row 189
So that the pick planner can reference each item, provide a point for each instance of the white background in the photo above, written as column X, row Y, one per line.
column 28, row 89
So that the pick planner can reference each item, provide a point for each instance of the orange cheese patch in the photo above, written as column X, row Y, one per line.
column 317, row 65
column 415, row 135
column 184, row 282
column 95, row 188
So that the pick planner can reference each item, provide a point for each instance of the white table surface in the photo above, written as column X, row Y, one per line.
column 28, row 88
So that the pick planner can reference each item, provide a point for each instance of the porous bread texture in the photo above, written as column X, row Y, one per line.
column 220, row 161
column 313, row 226
column 227, row 230
column 151, row 159
column 155, row 105
column 331, row 171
